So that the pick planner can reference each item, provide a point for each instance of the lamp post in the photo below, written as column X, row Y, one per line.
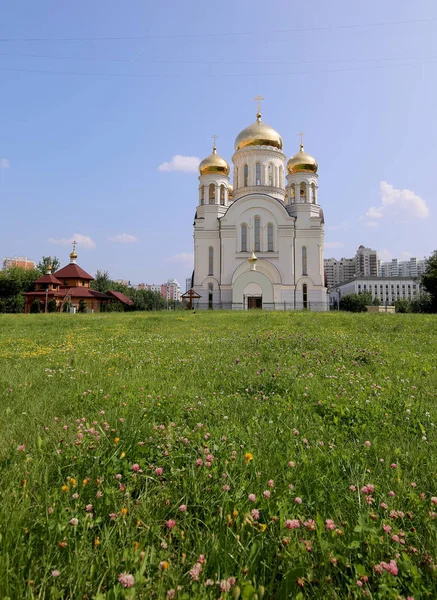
column 47, row 295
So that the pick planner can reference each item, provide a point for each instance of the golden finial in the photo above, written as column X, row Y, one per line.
column 214, row 148
column 49, row 269
column 258, row 114
column 252, row 260
column 301, row 139
column 73, row 255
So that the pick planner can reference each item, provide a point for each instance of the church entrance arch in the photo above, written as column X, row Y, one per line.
column 254, row 285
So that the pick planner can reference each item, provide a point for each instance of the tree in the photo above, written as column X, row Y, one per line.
column 13, row 283
column 46, row 261
column 402, row 305
column 102, row 282
column 51, row 306
column 82, row 306
column 429, row 279
column 422, row 303
column 35, row 307
column 356, row 302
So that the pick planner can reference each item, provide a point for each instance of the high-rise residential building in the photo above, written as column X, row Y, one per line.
column 18, row 261
column 366, row 262
column 188, row 284
column 170, row 290
column 402, row 268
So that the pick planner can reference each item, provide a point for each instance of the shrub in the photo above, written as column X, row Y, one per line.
column 82, row 306
column 35, row 307
column 51, row 306
column 402, row 306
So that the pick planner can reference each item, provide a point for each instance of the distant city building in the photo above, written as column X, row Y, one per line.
column 402, row 268
column 188, row 284
column 122, row 282
column 386, row 289
column 18, row 261
column 363, row 264
column 170, row 290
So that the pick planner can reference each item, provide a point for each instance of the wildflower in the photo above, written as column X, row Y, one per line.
column 199, row 462
column 65, row 488
column 271, row 483
column 226, row 488
column 310, row 524
column 21, row 448
column 170, row 523
column 195, row 572
column 201, row 559
column 367, row 444
column 255, row 514
column 291, row 464
column 392, row 494
column 112, row 516
column 97, row 542
column 75, row 496
column 395, row 538
column 135, row 468
column 434, row 500
column 89, row 507
column 56, row 573
column 298, row 500
column 252, row 497
column 262, row 527
column 126, row 579
column 393, row 465
column 116, row 440
column 225, row 586
column 384, row 505
column 124, row 511
column 99, row 494
column 292, row 524
column 73, row 522
column 158, row 471
column 413, row 484
column 163, row 565
column 352, row 488
column 172, row 594
column 329, row 524
column 266, row 494
column 248, row 457
column 183, row 508
column 359, row 583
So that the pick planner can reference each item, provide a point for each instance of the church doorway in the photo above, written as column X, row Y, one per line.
column 254, row 302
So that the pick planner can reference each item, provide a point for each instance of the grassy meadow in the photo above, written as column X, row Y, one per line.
column 218, row 455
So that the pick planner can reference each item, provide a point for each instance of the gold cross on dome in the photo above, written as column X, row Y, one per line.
column 74, row 245
column 214, row 137
column 258, row 99
column 301, row 134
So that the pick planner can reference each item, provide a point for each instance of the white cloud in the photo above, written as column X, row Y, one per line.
column 385, row 255
column 334, row 245
column 124, row 238
column 83, row 241
column 184, row 258
column 400, row 205
column 4, row 163
column 185, row 164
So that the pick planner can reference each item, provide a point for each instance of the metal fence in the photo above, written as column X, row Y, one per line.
column 285, row 306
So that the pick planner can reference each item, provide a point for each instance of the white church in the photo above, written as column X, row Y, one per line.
column 258, row 243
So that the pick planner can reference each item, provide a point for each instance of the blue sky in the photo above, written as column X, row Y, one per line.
column 86, row 122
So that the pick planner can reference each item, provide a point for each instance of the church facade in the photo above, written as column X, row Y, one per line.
column 258, row 242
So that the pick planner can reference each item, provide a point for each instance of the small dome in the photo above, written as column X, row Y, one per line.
column 258, row 134
column 302, row 163
column 214, row 165
column 230, row 191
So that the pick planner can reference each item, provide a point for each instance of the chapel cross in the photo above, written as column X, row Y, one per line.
column 74, row 245
column 301, row 138
column 259, row 98
column 214, row 137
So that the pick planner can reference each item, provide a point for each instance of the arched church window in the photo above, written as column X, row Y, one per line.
column 313, row 193
column 304, row 261
column 211, row 193
column 303, row 192
column 281, row 176
column 257, row 234
column 246, row 175
column 270, row 238
column 258, row 174
column 222, row 195
column 202, row 194
column 211, row 261
column 270, row 174
column 237, row 183
column 292, row 192
column 210, row 295
column 305, row 295
column 286, row 197
column 244, row 238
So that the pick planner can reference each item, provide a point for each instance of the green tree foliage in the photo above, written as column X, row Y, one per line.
column 356, row 302
column 35, row 307
column 402, row 305
column 82, row 306
column 46, row 261
column 429, row 280
column 13, row 283
column 422, row 303
column 51, row 306
column 142, row 299
column 102, row 282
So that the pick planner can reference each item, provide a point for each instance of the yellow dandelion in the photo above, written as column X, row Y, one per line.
column 123, row 454
column 235, row 513
column 96, row 541
column 65, row 488
column 136, row 545
column 85, row 481
column 262, row 527
column 124, row 511
column 116, row 440
column 164, row 565
column 248, row 457
column 73, row 481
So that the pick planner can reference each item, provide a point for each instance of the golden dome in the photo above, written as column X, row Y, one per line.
column 230, row 191
column 258, row 134
column 302, row 163
column 214, row 165
column 73, row 254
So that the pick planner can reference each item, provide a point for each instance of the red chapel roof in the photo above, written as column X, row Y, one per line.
column 121, row 297
column 48, row 278
column 72, row 271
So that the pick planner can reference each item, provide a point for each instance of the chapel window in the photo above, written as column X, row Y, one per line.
column 244, row 238
column 304, row 261
column 281, row 176
column 202, row 194
column 211, row 193
column 257, row 234
column 270, row 174
column 270, row 238
column 211, row 261
column 222, row 195
column 246, row 175
column 258, row 174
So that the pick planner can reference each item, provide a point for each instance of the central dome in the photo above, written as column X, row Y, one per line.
column 258, row 134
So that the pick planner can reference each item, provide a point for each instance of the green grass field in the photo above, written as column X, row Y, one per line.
column 218, row 455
